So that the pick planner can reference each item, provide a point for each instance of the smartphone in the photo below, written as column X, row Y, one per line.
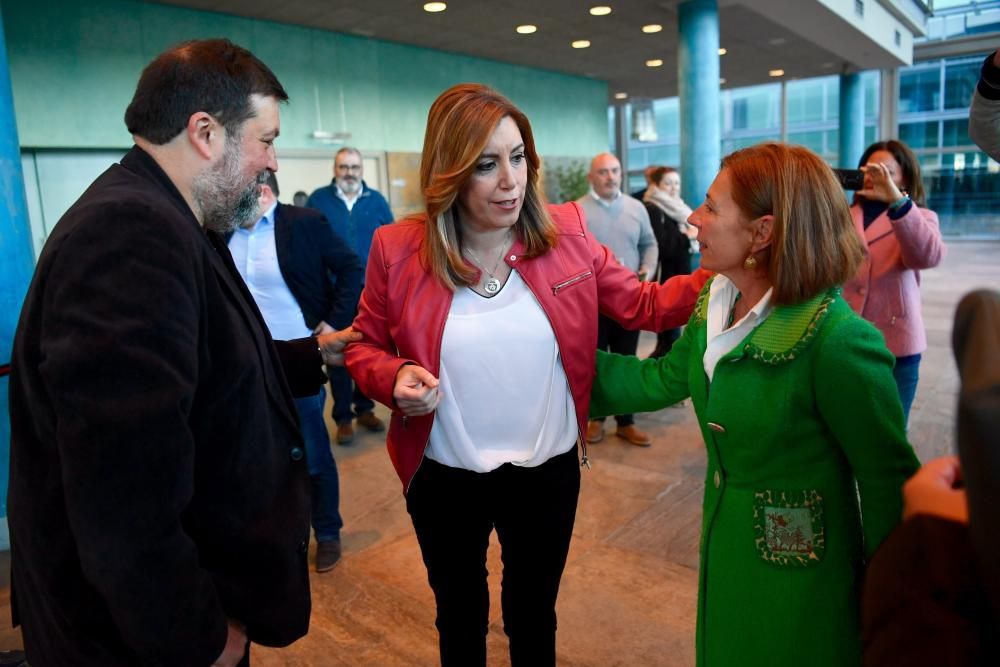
column 850, row 179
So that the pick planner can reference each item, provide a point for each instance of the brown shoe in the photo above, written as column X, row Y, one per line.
column 633, row 435
column 327, row 555
column 595, row 431
column 371, row 422
column 345, row 433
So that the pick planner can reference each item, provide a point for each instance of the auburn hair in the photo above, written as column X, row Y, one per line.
column 814, row 245
column 460, row 124
column 657, row 174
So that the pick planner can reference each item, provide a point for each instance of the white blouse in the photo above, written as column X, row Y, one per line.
column 721, row 337
column 504, row 394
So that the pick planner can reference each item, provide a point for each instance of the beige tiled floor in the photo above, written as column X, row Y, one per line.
column 629, row 592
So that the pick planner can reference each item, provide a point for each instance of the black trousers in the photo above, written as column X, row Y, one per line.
column 612, row 337
column 533, row 510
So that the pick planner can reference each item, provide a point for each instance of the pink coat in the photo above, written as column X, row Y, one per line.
column 403, row 311
column 886, row 289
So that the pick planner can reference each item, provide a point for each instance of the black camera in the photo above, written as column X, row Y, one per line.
column 850, row 179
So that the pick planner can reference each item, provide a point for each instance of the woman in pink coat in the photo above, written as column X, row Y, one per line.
column 902, row 238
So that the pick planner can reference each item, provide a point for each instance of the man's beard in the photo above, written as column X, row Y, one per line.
column 349, row 187
column 225, row 202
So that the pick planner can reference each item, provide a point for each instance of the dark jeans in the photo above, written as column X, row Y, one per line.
column 326, row 519
column 612, row 337
column 906, row 372
column 533, row 510
column 343, row 390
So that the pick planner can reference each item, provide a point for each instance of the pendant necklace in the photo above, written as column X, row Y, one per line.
column 492, row 285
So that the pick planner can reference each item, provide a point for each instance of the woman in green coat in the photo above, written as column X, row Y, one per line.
column 807, row 452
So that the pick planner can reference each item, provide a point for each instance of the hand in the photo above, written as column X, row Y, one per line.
column 236, row 646
column 416, row 392
column 323, row 328
column 932, row 491
column 879, row 185
column 331, row 345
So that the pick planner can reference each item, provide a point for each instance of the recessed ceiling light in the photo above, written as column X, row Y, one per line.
column 580, row 44
column 434, row 7
column 652, row 27
column 600, row 10
column 722, row 51
column 621, row 96
column 654, row 63
column 526, row 29
column 776, row 72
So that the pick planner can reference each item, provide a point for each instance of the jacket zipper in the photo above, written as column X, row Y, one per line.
column 580, row 439
column 406, row 419
column 571, row 281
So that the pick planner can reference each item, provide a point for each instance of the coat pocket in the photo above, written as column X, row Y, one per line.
column 788, row 527
column 572, row 281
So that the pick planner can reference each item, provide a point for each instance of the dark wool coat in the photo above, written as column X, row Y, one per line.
column 158, row 482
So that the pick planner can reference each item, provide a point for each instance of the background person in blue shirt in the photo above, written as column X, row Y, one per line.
column 355, row 211
column 305, row 280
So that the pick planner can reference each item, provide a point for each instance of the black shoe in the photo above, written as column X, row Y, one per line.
column 327, row 555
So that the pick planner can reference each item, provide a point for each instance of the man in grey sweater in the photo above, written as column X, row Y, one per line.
column 621, row 223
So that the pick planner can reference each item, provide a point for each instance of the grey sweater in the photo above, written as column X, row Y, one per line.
column 623, row 226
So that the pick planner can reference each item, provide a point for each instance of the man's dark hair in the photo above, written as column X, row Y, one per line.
column 271, row 181
column 210, row 75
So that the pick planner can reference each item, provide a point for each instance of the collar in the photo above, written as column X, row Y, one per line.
column 786, row 332
column 268, row 217
column 141, row 162
column 604, row 202
column 724, row 290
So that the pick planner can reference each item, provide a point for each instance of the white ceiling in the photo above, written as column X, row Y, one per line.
column 618, row 52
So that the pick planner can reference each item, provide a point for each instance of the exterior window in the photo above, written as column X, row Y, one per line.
column 920, row 90
column 959, row 82
column 921, row 134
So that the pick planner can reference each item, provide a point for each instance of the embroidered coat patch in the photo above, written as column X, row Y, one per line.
column 788, row 527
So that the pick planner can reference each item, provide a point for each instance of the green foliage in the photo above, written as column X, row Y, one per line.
column 567, row 182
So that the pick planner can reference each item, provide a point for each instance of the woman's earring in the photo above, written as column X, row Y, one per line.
column 750, row 263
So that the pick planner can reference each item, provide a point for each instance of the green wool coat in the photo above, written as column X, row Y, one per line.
column 801, row 420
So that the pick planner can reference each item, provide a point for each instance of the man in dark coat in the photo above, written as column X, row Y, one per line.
column 159, row 499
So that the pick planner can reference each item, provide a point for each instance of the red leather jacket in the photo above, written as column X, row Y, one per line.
column 403, row 311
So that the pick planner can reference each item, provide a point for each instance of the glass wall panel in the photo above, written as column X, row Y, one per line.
column 921, row 134
column 871, row 81
column 919, row 90
column 755, row 107
column 811, row 140
column 956, row 132
column 806, row 98
column 961, row 191
column 871, row 135
column 959, row 82
column 668, row 118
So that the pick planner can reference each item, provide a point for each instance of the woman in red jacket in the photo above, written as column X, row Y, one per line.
column 902, row 237
column 480, row 329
